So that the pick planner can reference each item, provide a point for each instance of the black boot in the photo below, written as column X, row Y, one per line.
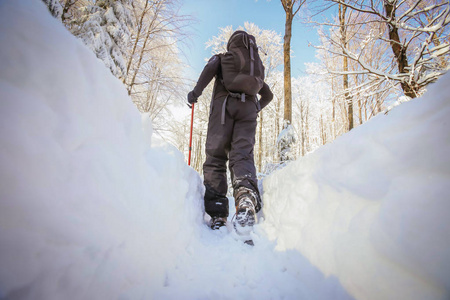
column 245, row 211
column 217, row 223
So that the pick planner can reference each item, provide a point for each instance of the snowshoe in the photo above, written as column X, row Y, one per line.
column 245, row 218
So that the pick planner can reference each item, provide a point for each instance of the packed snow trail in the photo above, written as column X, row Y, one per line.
column 94, row 207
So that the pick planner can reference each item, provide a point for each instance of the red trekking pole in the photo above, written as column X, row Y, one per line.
column 190, row 138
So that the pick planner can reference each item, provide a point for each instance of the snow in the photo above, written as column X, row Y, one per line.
column 87, row 207
column 92, row 206
column 372, row 208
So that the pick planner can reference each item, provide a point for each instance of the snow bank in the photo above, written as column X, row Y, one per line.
column 81, row 189
column 372, row 208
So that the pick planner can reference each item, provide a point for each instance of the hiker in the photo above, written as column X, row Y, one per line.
column 239, row 76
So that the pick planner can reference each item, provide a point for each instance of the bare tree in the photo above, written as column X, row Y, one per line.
column 154, row 68
column 417, row 32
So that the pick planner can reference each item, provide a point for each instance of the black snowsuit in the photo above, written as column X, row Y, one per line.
column 231, row 135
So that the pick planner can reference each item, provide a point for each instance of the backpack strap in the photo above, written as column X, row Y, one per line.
column 224, row 105
column 252, row 58
column 236, row 95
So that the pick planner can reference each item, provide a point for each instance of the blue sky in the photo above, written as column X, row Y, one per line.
column 211, row 15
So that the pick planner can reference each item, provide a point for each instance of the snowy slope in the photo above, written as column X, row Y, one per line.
column 93, row 207
column 81, row 188
column 373, row 207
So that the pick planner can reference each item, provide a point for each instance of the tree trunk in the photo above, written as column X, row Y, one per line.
column 260, row 152
column 288, row 6
column 307, row 144
column 323, row 133
column 399, row 49
column 360, row 104
column 333, row 114
column 365, row 111
column 442, row 61
column 348, row 99
column 277, row 118
column 303, row 122
column 287, row 66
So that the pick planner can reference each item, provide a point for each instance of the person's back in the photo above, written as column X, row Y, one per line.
column 231, row 130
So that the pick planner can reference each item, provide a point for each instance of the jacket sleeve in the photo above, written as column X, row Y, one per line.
column 266, row 95
column 209, row 72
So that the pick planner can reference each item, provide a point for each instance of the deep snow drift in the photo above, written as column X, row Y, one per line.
column 91, row 207
column 88, row 210
column 373, row 207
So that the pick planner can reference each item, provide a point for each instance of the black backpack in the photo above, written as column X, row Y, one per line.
column 242, row 68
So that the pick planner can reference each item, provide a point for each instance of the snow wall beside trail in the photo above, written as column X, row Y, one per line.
column 88, row 207
column 373, row 207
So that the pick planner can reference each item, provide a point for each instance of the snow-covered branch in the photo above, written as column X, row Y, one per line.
column 416, row 31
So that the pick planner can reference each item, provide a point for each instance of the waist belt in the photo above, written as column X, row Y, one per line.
column 233, row 95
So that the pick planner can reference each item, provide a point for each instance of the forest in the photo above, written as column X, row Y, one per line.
column 373, row 56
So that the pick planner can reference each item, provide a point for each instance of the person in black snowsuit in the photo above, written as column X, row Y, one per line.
column 231, row 136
